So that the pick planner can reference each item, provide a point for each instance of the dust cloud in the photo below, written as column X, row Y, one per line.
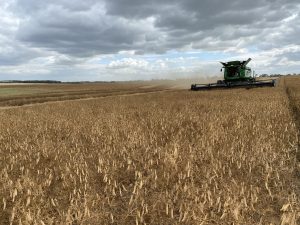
column 180, row 83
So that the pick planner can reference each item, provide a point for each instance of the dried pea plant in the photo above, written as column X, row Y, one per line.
column 222, row 157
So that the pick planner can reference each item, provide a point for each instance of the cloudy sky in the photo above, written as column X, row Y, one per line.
column 138, row 39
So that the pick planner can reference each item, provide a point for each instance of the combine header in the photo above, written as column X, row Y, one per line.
column 236, row 74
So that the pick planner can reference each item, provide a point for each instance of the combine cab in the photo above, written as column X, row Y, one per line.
column 236, row 74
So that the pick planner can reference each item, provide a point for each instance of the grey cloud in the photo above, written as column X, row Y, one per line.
column 86, row 28
column 11, row 51
column 15, row 55
column 29, row 7
column 76, row 30
column 294, row 56
column 81, row 33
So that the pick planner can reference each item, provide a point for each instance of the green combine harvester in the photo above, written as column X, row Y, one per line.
column 236, row 74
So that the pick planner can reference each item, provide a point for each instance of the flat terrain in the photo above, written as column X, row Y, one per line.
column 16, row 95
column 171, row 156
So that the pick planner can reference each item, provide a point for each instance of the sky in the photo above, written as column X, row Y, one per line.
column 77, row 40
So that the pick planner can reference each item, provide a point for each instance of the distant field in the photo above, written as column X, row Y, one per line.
column 19, row 91
column 22, row 94
column 15, row 95
column 172, row 157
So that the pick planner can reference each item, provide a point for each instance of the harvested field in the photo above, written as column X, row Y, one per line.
column 17, row 95
column 177, row 157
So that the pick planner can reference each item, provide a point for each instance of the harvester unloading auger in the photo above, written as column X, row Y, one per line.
column 236, row 74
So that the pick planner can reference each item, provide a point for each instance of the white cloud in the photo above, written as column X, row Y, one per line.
column 128, row 63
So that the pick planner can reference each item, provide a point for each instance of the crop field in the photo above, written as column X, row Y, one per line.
column 164, row 157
